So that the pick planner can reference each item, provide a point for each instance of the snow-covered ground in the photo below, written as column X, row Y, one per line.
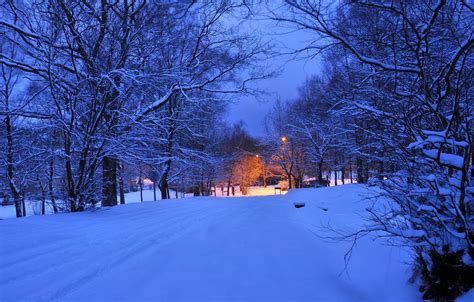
column 253, row 191
column 203, row 249
column 33, row 207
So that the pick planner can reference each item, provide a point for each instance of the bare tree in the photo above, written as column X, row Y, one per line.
column 111, row 69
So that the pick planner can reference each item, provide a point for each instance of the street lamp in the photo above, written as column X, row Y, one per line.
column 284, row 139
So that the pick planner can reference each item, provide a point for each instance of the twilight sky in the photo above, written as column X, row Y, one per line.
column 285, row 86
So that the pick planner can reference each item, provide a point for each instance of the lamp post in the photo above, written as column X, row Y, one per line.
column 287, row 166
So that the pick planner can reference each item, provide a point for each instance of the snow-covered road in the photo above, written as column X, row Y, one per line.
column 202, row 249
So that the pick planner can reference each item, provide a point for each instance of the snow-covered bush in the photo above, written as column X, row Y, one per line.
column 412, row 97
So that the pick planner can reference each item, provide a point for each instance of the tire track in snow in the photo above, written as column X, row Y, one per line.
column 46, row 248
column 133, row 252
column 161, row 231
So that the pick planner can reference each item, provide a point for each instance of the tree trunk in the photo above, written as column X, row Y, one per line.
column 350, row 171
column 18, row 206
column 366, row 171
column 296, row 180
column 201, row 187
column 23, row 205
column 120, row 182
column 290, row 183
column 472, row 162
column 140, row 184
column 320, row 172
column 109, row 164
column 360, row 171
column 164, row 189
column 10, row 172
column 71, row 194
column 109, row 178
column 196, row 190
column 154, row 189
column 121, row 186
column 164, row 185
column 343, row 175
column 51, row 187
column 264, row 175
column 299, row 183
column 43, row 201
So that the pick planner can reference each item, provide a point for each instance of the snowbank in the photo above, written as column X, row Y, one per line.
column 33, row 207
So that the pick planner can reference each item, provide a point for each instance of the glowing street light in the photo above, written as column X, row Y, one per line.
column 284, row 139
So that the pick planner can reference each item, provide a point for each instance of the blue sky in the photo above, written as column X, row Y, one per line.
column 285, row 86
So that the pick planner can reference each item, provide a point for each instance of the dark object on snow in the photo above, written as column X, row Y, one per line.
column 324, row 209
column 299, row 204
column 277, row 189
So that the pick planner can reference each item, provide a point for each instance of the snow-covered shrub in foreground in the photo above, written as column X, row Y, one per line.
column 407, row 75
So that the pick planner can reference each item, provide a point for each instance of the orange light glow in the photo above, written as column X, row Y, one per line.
column 284, row 139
